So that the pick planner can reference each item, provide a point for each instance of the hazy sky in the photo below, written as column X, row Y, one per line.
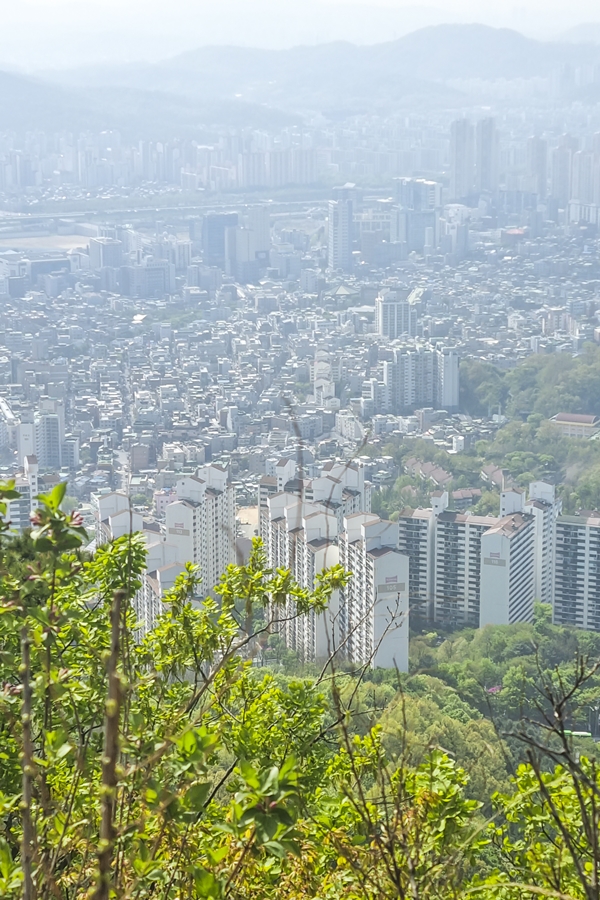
column 37, row 34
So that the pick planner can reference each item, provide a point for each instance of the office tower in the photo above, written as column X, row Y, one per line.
column 577, row 571
column 374, row 604
column 201, row 523
column 48, row 441
column 105, row 252
column 545, row 508
column 240, row 255
column 340, row 235
column 462, row 161
column 537, row 166
column 259, row 222
column 213, row 237
column 487, row 156
column 507, row 571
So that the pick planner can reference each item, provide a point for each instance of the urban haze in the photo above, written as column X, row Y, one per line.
column 341, row 295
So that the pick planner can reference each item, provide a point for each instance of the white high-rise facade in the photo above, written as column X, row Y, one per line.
column 545, row 508
column 301, row 536
column 462, row 159
column 201, row 523
column 396, row 313
column 507, row 573
column 577, row 571
column 422, row 375
column 48, row 441
column 467, row 569
column 304, row 530
column 340, row 235
column 446, row 378
column 374, row 606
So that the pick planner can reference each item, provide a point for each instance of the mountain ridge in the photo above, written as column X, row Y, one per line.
column 245, row 85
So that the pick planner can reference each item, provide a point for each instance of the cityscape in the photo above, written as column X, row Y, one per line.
column 258, row 332
column 299, row 450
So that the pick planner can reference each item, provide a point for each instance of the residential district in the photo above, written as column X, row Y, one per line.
column 210, row 374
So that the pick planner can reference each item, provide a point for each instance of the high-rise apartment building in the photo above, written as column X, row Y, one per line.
column 374, row 608
column 477, row 570
column 422, row 375
column 201, row 523
column 487, row 156
column 507, row 586
column 561, row 170
column 302, row 537
column 577, row 571
column 446, row 385
column 537, row 166
column 462, row 160
column 18, row 512
column 396, row 312
column 545, row 508
column 457, row 578
column 340, row 230
column 415, row 535
column 300, row 525
column 48, row 441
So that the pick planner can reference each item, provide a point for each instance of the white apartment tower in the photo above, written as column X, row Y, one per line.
column 446, row 378
column 545, row 508
column 421, row 375
column 48, row 441
column 457, row 567
column 396, row 313
column 507, row 573
column 374, row 605
column 577, row 571
column 301, row 536
column 416, row 539
column 201, row 523
column 18, row 512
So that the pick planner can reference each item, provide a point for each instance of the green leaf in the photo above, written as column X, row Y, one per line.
column 195, row 797
column 207, row 885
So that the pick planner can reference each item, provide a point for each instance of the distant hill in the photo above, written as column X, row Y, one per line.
column 28, row 104
column 587, row 33
column 245, row 86
column 334, row 73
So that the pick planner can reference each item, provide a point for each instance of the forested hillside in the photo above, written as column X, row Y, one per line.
column 528, row 447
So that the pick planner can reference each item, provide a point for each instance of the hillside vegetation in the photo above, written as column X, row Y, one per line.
column 177, row 766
